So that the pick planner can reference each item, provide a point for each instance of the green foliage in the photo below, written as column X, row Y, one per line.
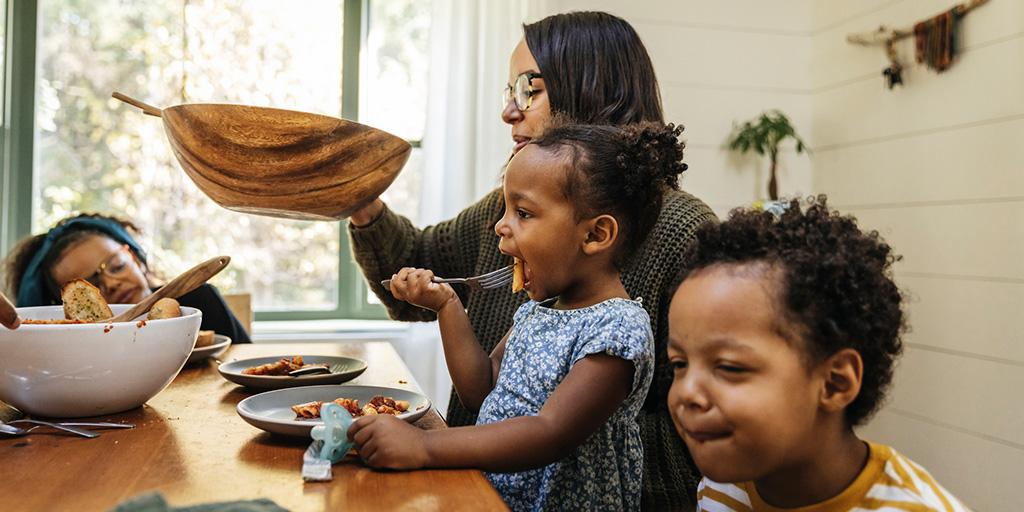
column 763, row 136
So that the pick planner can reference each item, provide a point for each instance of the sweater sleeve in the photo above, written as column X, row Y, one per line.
column 391, row 242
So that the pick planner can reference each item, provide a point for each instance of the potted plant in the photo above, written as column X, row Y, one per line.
column 764, row 135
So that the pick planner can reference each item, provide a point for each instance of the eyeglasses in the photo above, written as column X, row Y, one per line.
column 521, row 91
column 116, row 266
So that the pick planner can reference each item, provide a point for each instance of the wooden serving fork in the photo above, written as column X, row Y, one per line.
column 186, row 282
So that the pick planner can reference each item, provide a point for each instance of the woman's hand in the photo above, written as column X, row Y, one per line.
column 414, row 286
column 367, row 214
column 384, row 441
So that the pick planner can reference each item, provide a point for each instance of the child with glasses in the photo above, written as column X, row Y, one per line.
column 103, row 251
column 559, row 395
column 783, row 338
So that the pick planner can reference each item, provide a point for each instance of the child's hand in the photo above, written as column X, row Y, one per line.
column 413, row 285
column 384, row 441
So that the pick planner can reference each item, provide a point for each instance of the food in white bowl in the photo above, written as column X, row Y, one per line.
column 91, row 369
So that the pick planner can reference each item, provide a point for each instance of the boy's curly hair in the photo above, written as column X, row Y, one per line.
column 835, row 283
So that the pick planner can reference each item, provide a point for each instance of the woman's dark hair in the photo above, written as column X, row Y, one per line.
column 620, row 170
column 596, row 69
column 833, row 283
column 19, row 258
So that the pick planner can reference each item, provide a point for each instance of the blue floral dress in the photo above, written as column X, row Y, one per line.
column 604, row 473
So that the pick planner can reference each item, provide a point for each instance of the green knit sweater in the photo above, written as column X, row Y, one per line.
column 467, row 245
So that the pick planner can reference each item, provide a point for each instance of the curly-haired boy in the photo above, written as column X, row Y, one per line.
column 782, row 338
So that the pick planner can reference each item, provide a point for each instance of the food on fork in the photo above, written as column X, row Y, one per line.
column 204, row 339
column 83, row 302
column 377, row 405
column 518, row 276
column 280, row 367
column 165, row 308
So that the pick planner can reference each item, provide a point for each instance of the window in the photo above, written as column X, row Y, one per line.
column 95, row 154
column 19, row 34
column 3, row 72
column 3, row 61
column 393, row 95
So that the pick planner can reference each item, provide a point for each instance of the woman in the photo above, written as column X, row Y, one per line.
column 103, row 251
column 592, row 67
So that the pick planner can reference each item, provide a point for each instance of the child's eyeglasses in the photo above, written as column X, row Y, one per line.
column 115, row 266
column 521, row 91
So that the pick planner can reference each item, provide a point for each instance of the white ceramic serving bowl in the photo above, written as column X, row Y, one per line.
column 77, row 370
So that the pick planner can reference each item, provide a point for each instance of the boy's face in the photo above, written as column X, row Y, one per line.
column 742, row 397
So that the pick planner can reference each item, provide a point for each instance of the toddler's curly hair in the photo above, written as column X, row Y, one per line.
column 833, row 280
column 622, row 170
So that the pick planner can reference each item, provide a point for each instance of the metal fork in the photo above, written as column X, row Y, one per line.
column 9, row 428
column 488, row 281
column 18, row 431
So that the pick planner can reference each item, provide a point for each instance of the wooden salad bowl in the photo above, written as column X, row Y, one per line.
column 280, row 163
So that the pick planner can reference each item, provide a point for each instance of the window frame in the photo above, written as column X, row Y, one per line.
column 16, row 140
column 17, row 149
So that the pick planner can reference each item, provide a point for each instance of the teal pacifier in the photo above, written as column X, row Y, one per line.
column 334, row 432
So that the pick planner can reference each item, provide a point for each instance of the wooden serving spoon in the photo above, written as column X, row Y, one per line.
column 186, row 282
column 8, row 314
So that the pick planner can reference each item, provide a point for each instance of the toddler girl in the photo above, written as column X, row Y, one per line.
column 558, row 396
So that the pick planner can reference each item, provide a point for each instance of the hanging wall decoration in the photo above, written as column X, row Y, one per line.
column 935, row 41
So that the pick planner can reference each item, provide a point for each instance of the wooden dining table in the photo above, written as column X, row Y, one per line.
column 190, row 445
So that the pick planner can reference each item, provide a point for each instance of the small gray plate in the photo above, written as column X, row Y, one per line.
column 272, row 410
column 343, row 369
column 220, row 344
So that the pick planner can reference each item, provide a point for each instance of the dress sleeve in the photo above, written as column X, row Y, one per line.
column 216, row 315
column 624, row 333
column 449, row 248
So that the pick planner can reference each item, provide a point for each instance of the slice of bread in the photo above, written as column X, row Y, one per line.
column 165, row 308
column 205, row 339
column 84, row 302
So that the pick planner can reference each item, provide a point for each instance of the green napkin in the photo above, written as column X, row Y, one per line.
column 154, row 502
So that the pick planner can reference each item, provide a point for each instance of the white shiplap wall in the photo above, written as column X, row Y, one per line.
column 723, row 62
column 937, row 167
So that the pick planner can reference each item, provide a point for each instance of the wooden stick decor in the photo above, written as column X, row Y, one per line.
column 935, row 41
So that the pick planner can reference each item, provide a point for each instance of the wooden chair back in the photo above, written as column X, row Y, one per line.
column 241, row 305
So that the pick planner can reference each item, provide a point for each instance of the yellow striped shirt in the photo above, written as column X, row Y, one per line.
column 889, row 482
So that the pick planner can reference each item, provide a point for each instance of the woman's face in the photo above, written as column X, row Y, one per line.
column 110, row 266
column 530, row 123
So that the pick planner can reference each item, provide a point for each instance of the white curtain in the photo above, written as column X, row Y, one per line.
column 465, row 143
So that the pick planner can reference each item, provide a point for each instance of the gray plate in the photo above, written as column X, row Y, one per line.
column 343, row 369
column 272, row 410
column 220, row 344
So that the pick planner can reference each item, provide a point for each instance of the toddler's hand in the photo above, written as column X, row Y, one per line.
column 413, row 285
column 384, row 441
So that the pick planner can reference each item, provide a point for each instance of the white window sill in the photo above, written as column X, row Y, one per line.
column 297, row 331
